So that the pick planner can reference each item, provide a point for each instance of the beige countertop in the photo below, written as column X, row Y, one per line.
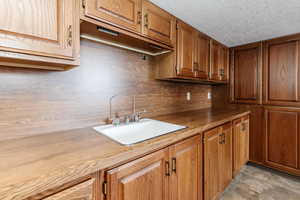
column 32, row 165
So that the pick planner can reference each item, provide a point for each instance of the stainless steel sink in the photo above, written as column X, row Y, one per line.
column 133, row 133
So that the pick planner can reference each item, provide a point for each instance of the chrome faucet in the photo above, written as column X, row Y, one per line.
column 116, row 120
column 113, row 120
column 136, row 116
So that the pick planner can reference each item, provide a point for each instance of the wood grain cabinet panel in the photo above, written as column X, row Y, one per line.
column 219, row 62
column 158, row 24
column 82, row 191
column 282, row 72
column 240, row 143
column 143, row 179
column 173, row 173
column 225, row 157
column 44, row 28
column 223, row 63
column 217, row 160
column 282, row 138
column 185, row 50
column 201, row 58
column 186, row 166
column 126, row 14
column 257, row 138
column 246, row 65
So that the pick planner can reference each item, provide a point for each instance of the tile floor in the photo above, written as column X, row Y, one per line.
column 258, row 183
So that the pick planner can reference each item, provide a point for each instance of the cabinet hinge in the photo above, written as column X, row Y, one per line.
column 177, row 27
column 203, row 141
column 83, row 3
column 104, row 188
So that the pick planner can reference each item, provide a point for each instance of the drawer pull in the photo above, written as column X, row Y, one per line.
column 167, row 168
column 174, row 165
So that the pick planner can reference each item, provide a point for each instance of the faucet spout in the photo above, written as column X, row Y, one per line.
column 110, row 105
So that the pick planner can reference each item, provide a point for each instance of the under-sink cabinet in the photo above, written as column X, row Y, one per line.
column 172, row 173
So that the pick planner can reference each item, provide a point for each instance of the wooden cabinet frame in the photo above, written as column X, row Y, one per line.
column 280, row 166
column 258, row 79
column 217, row 160
column 174, row 164
column 266, row 72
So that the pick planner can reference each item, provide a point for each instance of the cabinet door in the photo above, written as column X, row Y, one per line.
column 257, row 139
column 225, row 166
column 282, row 136
column 201, row 59
column 186, row 159
column 143, row 179
column 214, row 62
column 125, row 14
column 219, row 56
column 212, row 142
column 45, row 27
column 223, row 63
column 158, row 24
column 246, row 63
column 240, row 143
column 83, row 191
column 185, row 50
column 281, row 73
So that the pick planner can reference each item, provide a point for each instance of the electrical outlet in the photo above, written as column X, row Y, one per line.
column 188, row 96
column 209, row 95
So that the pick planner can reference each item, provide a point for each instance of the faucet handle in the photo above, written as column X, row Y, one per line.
column 137, row 116
column 116, row 121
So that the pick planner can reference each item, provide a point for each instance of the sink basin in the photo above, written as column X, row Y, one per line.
column 133, row 133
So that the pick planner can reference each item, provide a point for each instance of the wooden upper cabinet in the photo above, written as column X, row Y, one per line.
column 186, row 167
column 282, row 138
column 281, row 72
column 246, row 66
column 158, row 24
column 185, row 50
column 142, row 179
column 47, row 28
column 219, row 61
column 201, row 58
column 223, row 63
column 240, row 143
column 126, row 14
column 82, row 191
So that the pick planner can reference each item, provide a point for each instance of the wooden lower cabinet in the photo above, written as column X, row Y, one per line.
column 226, row 156
column 282, row 138
column 143, row 179
column 172, row 173
column 240, row 143
column 186, row 168
column 217, row 160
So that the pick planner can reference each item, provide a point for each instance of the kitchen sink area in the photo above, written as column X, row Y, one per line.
column 136, row 132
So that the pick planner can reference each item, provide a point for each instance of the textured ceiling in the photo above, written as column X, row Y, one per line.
column 236, row 22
